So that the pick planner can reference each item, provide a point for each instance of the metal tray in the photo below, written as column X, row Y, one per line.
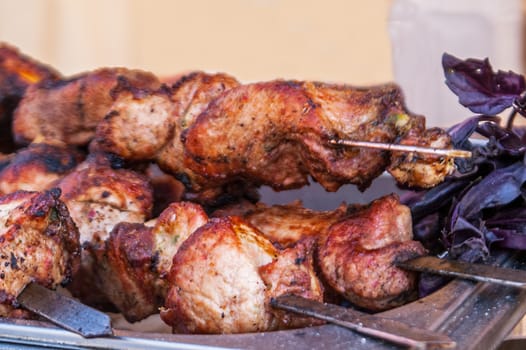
column 475, row 315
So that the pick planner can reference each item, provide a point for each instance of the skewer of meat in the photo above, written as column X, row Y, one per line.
column 276, row 133
column 213, row 133
column 184, row 257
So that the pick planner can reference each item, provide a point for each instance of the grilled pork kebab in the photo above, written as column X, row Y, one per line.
column 209, row 131
column 212, row 133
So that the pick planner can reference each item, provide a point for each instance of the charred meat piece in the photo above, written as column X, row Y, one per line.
column 39, row 242
column 277, row 133
column 209, row 133
column 38, row 167
column 292, row 273
column 70, row 109
column 99, row 197
column 357, row 255
column 191, row 94
column 166, row 189
column 147, row 125
column 420, row 170
column 17, row 72
column 133, row 269
column 138, row 124
column 287, row 224
column 224, row 275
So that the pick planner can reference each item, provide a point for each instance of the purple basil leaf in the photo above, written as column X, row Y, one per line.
column 427, row 231
column 478, row 87
column 435, row 198
column 499, row 188
column 462, row 131
column 510, row 141
column 509, row 226
column 510, row 217
column 509, row 238
column 468, row 242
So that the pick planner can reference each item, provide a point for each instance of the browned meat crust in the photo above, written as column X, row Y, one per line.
column 133, row 268
column 356, row 256
column 288, row 224
column 224, row 275
column 39, row 242
column 17, row 72
column 98, row 197
column 70, row 109
column 277, row 133
column 211, row 132
column 38, row 167
column 292, row 272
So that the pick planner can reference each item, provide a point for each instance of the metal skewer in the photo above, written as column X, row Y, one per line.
column 383, row 328
column 453, row 153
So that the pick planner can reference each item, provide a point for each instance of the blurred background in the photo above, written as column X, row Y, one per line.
column 350, row 41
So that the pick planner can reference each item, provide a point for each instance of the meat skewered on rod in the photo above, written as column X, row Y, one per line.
column 275, row 133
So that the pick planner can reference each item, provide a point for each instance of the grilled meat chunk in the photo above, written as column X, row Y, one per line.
column 38, row 167
column 147, row 125
column 70, row 109
column 191, row 94
column 134, row 267
column 292, row 272
column 277, row 133
column 288, row 224
column 39, row 242
column 209, row 133
column 98, row 197
column 421, row 170
column 17, row 72
column 356, row 255
column 224, row 275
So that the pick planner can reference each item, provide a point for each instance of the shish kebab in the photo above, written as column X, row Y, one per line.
column 415, row 150
column 215, row 134
column 284, row 116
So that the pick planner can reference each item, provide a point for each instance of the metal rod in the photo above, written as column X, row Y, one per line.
column 454, row 153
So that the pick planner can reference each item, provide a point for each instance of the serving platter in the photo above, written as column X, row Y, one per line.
column 474, row 315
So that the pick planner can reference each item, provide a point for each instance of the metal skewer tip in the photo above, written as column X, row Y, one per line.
column 453, row 153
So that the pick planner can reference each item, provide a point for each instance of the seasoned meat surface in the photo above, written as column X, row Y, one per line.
column 39, row 242
column 210, row 132
column 287, row 224
column 17, row 73
column 135, row 264
column 38, row 167
column 357, row 255
column 215, row 284
column 277, row 133
column 99, row 197
column 139, row 123
column 147, row 124
column 421, row 170
column 70, row 109
column 224, row 275
column 292, row 272
column 191, row 94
